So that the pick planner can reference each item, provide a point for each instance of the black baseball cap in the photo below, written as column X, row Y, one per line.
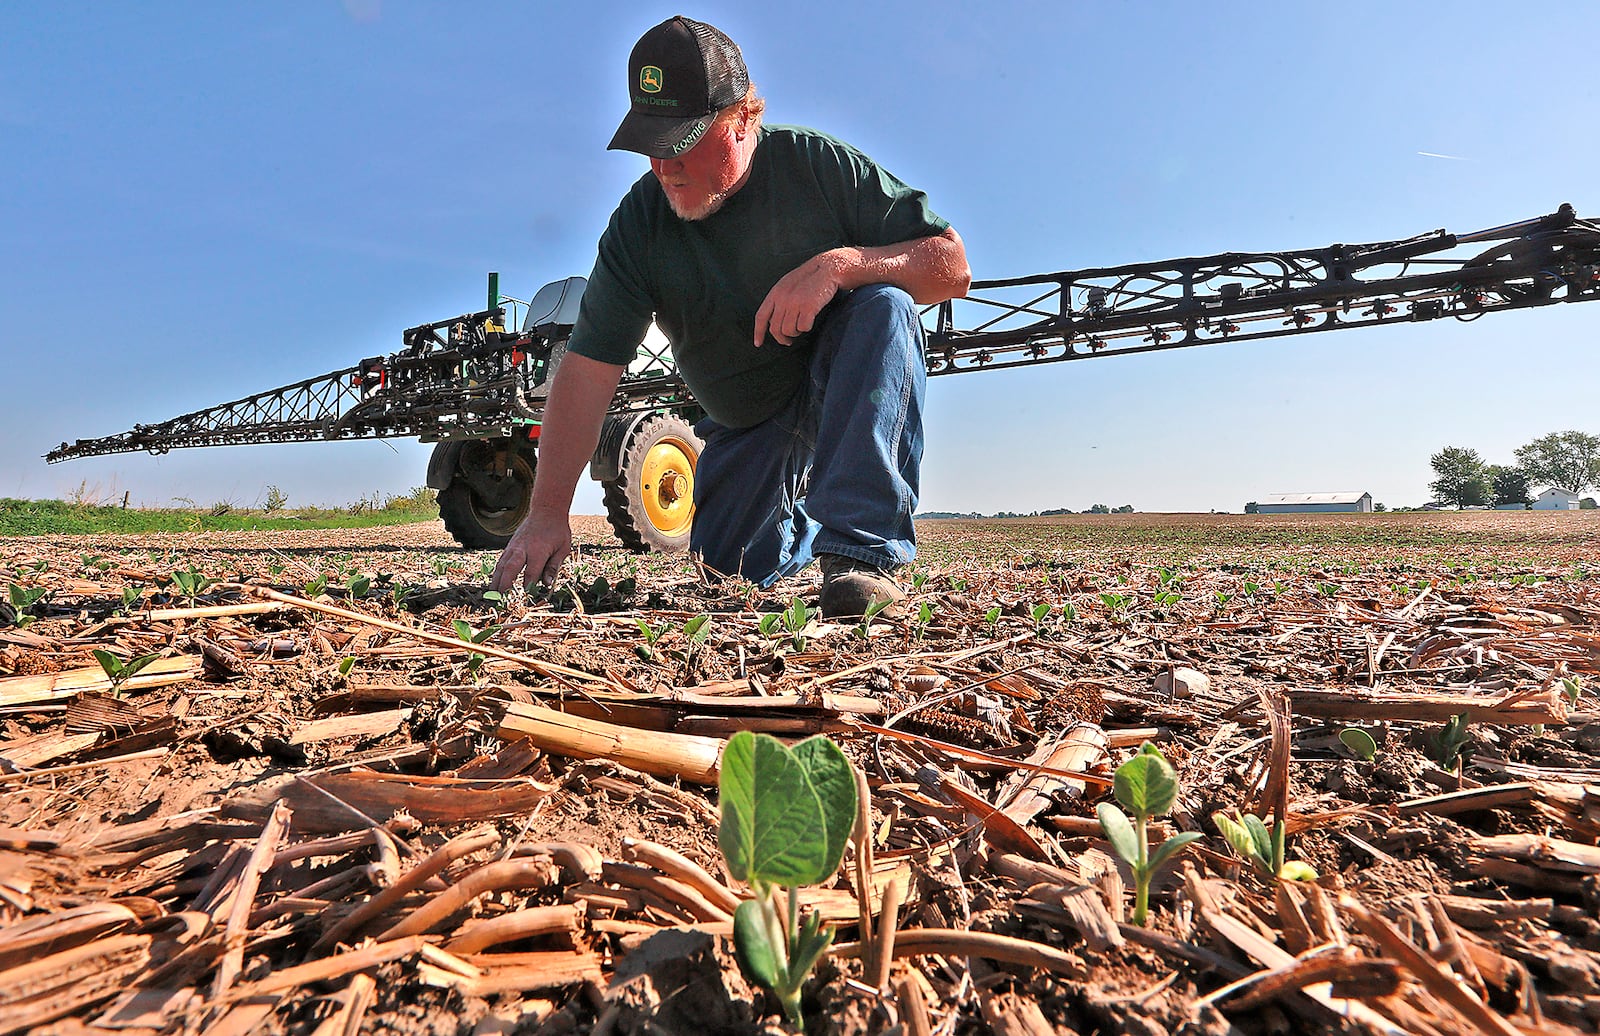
column 680, row 75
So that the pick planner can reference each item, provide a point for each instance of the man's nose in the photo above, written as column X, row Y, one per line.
column 664, row 166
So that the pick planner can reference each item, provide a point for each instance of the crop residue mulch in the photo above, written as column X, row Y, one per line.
column 326, row 807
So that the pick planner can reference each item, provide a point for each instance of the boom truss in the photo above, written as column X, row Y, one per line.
column 467, row 378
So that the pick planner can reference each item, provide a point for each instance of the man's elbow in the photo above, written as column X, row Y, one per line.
column 958, row 275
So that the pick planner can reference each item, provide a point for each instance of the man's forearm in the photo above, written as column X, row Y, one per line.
column 579, row 399
column 929, row 269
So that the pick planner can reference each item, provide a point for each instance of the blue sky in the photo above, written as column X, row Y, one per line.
column 204, row 200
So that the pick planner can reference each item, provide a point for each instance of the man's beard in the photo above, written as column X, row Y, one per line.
column 698, row 212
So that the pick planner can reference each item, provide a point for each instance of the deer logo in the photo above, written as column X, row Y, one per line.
column 650, row 79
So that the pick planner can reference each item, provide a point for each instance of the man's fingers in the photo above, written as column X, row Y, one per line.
column 763, row 318
column 505, row 572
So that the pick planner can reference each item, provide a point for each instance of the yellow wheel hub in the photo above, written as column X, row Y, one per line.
column 668, row 485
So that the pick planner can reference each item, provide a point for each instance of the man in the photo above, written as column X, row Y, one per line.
column 786, row 270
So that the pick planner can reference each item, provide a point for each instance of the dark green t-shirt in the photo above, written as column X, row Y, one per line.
column 704, row 280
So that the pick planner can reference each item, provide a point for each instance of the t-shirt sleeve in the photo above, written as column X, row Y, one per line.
column 884, row 209
column 616, row 309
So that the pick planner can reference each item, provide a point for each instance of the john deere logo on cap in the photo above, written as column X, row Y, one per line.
column 650, row 79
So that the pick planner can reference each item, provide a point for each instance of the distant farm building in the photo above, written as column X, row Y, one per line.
column 1553, row 499
column 1314, row 503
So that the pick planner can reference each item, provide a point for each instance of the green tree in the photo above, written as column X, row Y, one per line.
column 1098, row 509
column 1463, row 477
column 1508, row 485
column 1566, row 460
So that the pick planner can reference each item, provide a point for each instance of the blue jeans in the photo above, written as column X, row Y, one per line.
column 836, row 470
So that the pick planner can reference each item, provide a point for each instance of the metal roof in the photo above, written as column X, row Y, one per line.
column 1311, row 498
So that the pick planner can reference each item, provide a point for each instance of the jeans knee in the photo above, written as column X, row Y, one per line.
column 884, row 301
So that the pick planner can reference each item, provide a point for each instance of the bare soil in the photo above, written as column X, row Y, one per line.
column 146, row 884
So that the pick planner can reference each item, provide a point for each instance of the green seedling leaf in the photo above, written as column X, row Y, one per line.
column 797, row 616
column 769, row 624
column 1119, row 832
column 1170, row 848
column 359, row 585
column 756, row 952
column 831, row 778
column 773, row 831
column 1359, row 742
column 1039, row 612
column 346, row 664
column 813, row 940
column 992, row 616
column 696, row 630
column 463, row 630
column 133, row 665
column 118, row 671
column 1146, row 783
column 1260, row 840
column 1236, row 835
column 108, row 662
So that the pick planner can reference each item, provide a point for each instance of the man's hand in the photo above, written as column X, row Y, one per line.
column 791, row 307
column 536, row 551
column 929, row 269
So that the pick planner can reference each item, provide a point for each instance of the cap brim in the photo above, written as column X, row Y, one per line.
column 655, row 137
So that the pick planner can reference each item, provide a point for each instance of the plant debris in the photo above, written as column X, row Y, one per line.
column 327, row 783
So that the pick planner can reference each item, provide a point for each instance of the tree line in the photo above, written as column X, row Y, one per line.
column 1561, row 460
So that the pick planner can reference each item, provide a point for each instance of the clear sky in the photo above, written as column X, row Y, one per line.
column 203, row 200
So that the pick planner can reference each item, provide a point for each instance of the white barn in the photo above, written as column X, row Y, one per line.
column 1314, row 503
column 1554, row 499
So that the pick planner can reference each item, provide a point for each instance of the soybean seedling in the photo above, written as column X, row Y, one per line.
column 1116, row 604
column 1040, row 612
column 919, row 625
column 1448, row 741
column 864, row 629
column 1360, row 743
column 796, row 619
column 1261, row 848
column 118, row 671
column 1147, row 786
column 651, row 634
column 22, row 600
column 695, row 632
column 465, row 631
column 992, row 617
column 786, row 814
column 191, row 584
